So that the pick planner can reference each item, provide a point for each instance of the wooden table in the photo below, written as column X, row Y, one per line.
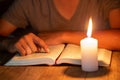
column 66, row 72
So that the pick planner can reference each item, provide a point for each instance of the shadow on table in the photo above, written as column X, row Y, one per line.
column 76, row 71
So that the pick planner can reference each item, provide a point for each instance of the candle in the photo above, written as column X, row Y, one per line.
column 89, row 55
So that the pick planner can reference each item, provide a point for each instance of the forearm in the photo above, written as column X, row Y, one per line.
column 73, row 37
column 108, row 39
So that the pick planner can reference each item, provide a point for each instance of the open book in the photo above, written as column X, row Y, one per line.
column 59, row 54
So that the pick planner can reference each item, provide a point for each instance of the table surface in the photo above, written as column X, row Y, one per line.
column 62, row 72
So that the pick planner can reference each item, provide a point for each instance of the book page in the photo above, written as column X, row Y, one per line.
column 38, row 58
column 72, row 55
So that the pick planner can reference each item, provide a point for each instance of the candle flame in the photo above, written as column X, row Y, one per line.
column 89, row 31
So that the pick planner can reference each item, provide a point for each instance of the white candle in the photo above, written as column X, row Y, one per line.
column 89, row 57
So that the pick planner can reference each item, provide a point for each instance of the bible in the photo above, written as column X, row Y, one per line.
column 59, row 54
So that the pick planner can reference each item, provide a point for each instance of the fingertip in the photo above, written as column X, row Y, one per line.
column 47, row 50
column 29, row 52
column 23, row 54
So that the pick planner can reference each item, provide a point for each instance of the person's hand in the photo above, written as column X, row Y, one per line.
column 30, row 43
column 52, row 38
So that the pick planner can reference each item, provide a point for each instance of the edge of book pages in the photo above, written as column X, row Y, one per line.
column 104, row 56
column 37, row 58
column 70, row 55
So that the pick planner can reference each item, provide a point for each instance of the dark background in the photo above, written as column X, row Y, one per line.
column 4, row 4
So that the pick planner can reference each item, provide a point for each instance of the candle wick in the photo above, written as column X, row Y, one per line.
column 89, row 36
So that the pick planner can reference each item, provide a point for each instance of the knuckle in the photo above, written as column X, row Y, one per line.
column 25, row 36
column 20, row 40
column 17, row 44
column 30, row 34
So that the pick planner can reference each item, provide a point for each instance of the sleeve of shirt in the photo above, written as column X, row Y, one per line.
column 16, row 14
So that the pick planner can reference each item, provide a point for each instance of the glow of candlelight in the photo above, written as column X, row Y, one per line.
column 89, row 31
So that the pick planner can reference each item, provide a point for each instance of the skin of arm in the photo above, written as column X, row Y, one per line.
column 108, row 39
column 6, row 28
